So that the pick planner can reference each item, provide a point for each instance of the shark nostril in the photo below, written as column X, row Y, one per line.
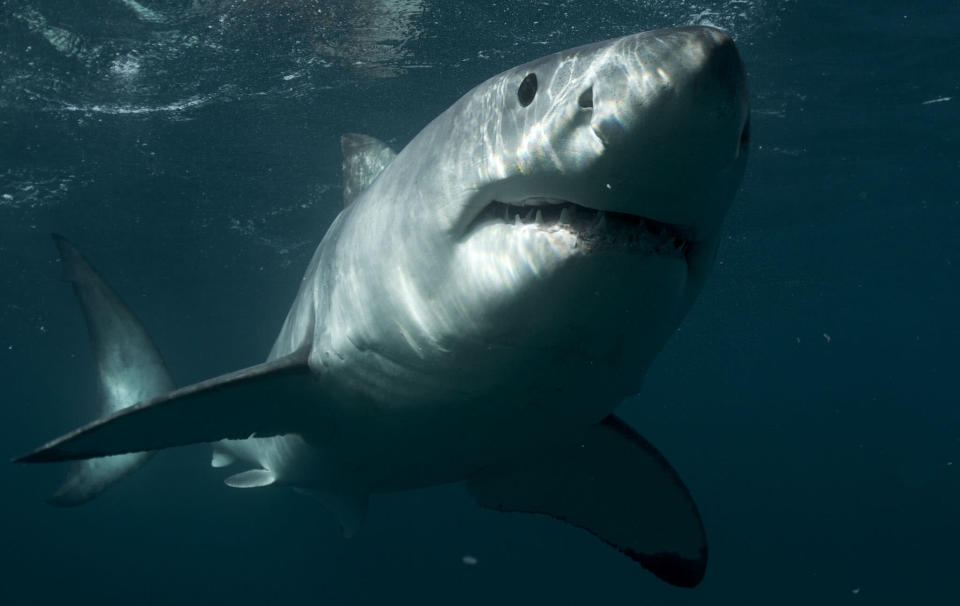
column 586, row 98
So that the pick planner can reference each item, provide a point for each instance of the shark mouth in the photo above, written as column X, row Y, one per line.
column 595, row 229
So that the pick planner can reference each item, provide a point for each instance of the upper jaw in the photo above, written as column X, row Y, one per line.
column 595, row 229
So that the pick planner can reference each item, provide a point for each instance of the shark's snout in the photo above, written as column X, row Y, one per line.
column 671, row 112
column 672, row 94
column 722, row 81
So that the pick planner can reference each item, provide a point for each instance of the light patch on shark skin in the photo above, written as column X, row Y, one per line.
column 417, row 333
column 503, row 257
column 120, row 391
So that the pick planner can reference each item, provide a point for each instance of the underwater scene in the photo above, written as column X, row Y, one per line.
column 599, row 317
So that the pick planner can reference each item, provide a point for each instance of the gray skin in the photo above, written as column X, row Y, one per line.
column 479, row 309
column 446, row 339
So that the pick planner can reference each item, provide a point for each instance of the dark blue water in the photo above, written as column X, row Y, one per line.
column 191, row 151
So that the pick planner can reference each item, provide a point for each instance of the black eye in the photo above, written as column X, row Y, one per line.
column 527, row 90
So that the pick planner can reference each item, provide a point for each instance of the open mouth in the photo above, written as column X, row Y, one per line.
column 594, row 229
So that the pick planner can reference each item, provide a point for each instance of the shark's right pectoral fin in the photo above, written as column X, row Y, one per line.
column 616, row 485
column 277, row 397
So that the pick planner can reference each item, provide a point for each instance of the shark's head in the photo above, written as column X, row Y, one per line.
column 651, row 128
column 653, row 125
column 572, row 203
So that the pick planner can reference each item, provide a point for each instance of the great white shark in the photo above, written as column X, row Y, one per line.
column 482, row 304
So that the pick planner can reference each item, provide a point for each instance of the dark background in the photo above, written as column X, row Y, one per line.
column 191, row 150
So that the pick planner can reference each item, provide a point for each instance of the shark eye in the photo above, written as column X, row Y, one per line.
column 527, row 90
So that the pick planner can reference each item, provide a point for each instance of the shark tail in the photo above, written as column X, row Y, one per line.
column 141, row 411
column 129, row 369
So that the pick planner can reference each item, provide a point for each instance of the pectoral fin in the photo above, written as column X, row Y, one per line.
column 616, row 485
column 277, row 397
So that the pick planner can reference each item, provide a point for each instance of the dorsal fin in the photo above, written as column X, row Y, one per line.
column 364, row 158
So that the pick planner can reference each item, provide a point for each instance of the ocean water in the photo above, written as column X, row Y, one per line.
column 191, row 150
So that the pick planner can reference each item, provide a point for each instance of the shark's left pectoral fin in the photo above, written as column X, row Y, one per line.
column 616, row 485
column 277, row 397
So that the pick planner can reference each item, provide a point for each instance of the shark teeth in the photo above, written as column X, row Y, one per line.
column 595, row 228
